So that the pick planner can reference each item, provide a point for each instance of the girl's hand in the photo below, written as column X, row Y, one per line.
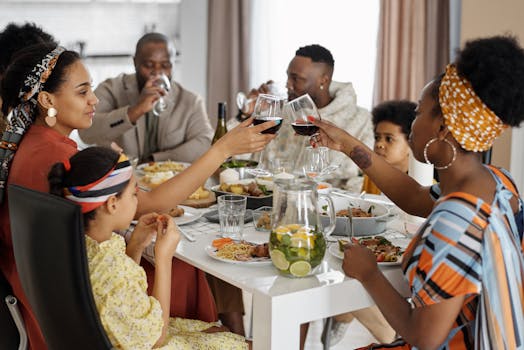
column 145, row 231
column 359, row 262
column 245, row 139
column 331, row 136
column 142, row 235
column 167, row 237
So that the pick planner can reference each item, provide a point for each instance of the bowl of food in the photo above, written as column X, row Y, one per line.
column 262, row 219
column 258, row 193
column 368, row 218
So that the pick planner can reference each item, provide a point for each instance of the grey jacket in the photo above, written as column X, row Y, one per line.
column 184, row 130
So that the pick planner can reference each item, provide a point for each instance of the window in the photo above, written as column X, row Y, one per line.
column 348, row 28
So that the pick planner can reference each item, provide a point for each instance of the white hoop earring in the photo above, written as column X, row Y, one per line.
column 453, row 148
column 50, row 120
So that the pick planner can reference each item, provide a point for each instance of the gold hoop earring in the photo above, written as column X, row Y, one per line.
column 453, row 148
column 50, row 120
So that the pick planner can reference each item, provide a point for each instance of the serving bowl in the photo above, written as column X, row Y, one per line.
column 362, row 226
column 253, row 202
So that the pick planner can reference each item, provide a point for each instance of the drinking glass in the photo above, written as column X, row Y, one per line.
column 162, row 82
column 316, row 160
column 231, row 211
column 267, row 107
column 246, row 105
column 301, row 110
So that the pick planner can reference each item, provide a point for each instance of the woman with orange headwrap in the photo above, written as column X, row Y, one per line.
column 465, row 265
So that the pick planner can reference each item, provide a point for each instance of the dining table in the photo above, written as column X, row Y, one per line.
column 281, row 304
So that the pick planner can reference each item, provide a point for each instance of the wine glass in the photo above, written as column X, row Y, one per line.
column 162, row 82
column 267, row 107
column 246, row 103
column 301, row 110
column 315, row 161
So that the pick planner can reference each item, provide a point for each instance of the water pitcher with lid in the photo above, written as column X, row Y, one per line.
column 297, row 244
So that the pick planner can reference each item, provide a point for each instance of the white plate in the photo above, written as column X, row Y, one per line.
column 212, row 252
column 140, row 168
column 333, row 250
column 190, row 215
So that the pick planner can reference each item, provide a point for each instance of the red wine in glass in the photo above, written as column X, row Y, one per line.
column 304, row 129
column 271, row 130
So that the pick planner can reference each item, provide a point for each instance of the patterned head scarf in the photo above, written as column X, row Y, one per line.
column 23, row 115
column 473, row 124
column 93, row 195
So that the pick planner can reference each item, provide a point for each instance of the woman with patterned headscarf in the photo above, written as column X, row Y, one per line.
column 48, row 90
column 465, row 265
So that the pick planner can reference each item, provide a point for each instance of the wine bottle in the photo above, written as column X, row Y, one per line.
column 221, row 122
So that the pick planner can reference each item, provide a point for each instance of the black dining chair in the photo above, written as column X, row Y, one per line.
column 12, row 331
column 50, row 254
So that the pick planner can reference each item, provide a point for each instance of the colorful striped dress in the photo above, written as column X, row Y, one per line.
column 468, row 247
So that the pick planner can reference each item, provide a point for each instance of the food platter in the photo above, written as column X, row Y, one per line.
column 253, row 202
column 153, row 174
column 255, row 261
column 362, row 226
column 333, row 250
column 162, row 166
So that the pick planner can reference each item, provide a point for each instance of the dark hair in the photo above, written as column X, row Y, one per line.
column 401, row 113
column 23, row 63
column 495, row 68
column 317, row 53
column 15, row 37
column 87, row 166
column 151, row 38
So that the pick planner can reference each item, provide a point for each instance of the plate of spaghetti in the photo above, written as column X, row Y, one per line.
column 239, row 252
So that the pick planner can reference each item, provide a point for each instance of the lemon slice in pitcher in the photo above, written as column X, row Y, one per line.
column 300, row 268
column 279, row 259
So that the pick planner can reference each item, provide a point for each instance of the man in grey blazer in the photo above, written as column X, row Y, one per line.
column 182, row 132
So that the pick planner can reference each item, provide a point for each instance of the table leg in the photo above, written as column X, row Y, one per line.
column 272, row 327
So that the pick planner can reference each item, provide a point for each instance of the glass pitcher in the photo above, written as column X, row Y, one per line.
column 296, row 242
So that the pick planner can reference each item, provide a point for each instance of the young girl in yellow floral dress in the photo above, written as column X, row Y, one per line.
column 102, row 183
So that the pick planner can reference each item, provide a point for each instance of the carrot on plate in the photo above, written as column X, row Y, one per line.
column 220, row 242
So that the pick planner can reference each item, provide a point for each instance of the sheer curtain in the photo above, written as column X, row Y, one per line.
column 347, row 28
column 228, row 53
column 413, row 47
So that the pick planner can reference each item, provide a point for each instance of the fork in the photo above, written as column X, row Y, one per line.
column 189, row 236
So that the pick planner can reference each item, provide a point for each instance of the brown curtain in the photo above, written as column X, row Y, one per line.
column 413, row 47
column 228, row 54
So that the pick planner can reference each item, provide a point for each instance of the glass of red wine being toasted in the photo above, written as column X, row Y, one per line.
column 267, row 107
column 301, row 109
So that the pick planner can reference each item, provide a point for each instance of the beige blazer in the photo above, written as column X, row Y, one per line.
column 184, row 130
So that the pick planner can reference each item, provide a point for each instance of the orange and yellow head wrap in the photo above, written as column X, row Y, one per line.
column 473, row 124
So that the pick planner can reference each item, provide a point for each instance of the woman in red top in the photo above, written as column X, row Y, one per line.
column 50, row 94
